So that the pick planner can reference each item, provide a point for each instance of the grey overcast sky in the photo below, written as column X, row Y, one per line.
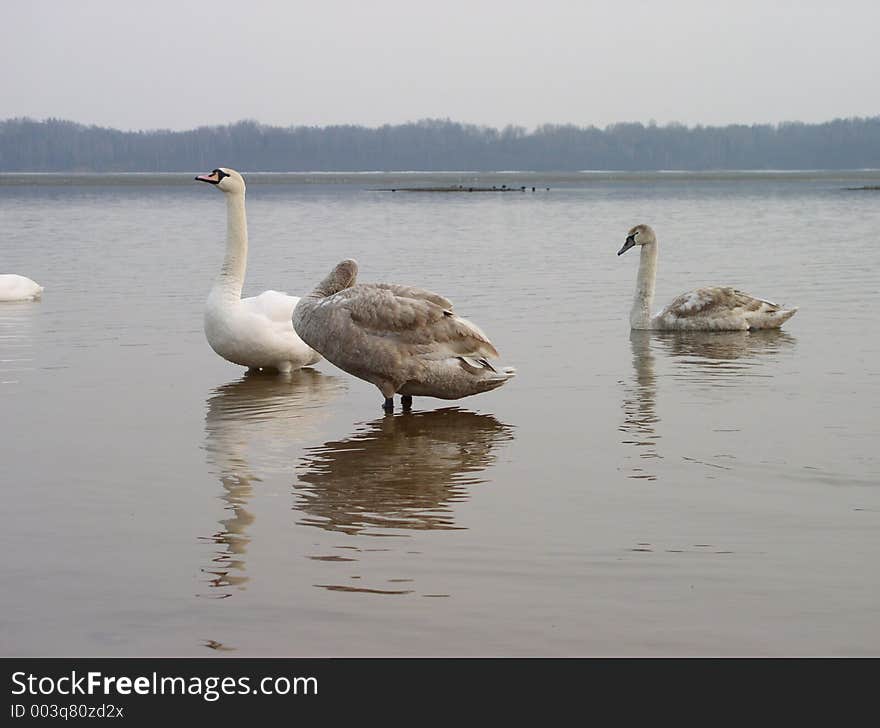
column 184, row 63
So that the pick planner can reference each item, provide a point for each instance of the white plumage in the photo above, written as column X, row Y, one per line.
column 255, row 332
column 19, row 288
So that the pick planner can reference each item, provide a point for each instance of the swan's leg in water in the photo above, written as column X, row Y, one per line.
column 389, row 404
column 406, row 401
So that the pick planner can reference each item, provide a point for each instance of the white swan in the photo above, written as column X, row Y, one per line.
column 18, row 288
column 703, row 309
column 254, row 332
column 402, row 339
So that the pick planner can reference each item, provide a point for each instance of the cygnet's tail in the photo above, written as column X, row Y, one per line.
column 774, row 319
column 490, row 375
column 493, row 381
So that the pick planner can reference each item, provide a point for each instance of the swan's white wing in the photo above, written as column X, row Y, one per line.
column 271, row 313
column 275, row 306
column 14, row 287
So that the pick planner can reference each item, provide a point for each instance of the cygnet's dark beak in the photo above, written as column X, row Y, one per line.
column 630, row 241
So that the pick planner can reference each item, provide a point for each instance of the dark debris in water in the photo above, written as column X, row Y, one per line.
column 697, row 548
column 330, row 558
column 343, row 588
column 463, row 188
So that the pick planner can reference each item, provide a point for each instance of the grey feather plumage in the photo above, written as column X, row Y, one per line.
column 403, row 339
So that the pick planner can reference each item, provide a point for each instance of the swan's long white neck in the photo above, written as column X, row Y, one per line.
column 228, row 285
column 643, row 301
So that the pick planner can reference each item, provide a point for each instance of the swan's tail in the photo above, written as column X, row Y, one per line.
column 493, row 381
column 489, row 375
column 773, row 319
column 503, row 374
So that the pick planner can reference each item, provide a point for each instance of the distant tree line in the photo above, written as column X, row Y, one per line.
column 54, row 145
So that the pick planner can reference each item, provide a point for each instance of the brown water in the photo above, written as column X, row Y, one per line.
column 626, row 494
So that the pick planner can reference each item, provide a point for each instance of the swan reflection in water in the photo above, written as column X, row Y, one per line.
column 709, row 359
column 250, row 425
column 639, row 404
column 398, row 472
column 17, row 321
column 724, row 358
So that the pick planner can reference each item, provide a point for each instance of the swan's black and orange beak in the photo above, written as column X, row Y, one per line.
column 630, row 242
column 213, row 178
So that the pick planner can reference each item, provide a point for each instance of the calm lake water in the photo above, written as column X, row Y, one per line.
column 626, row 494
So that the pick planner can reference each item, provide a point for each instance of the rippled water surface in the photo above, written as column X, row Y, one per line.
column 626, row 494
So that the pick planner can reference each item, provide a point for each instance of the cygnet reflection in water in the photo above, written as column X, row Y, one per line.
column 398, row 472
column 250, row 425
column 724, row 359
column 710, row 359
column 639, row 405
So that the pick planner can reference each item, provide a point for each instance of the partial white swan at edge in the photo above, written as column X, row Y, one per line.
column 703, row 309
column 254, row 332
column 19, row 288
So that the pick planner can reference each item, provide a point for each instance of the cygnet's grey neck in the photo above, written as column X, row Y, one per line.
column 643, row 301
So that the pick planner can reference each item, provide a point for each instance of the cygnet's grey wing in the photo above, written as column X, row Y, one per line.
column 716, row 301
column 413, row 292
column 415, row 321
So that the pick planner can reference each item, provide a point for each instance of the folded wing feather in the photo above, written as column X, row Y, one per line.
column 723, row 300
column 417, row 318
